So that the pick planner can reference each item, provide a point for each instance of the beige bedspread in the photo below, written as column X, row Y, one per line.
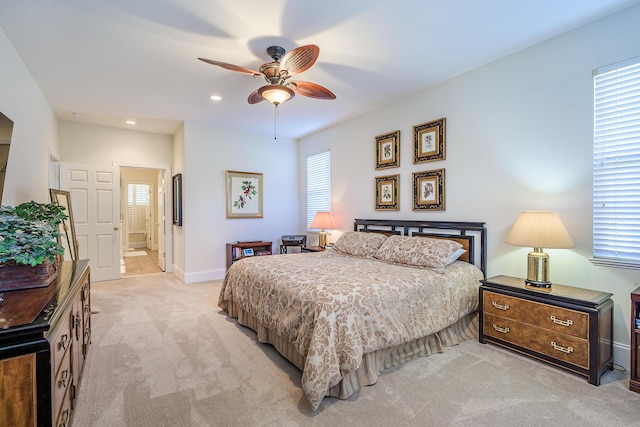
column 333, row 308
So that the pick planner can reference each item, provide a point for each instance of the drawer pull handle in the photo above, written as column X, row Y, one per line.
column 504, row 307
column 561, row 348
column 561, row 322
column 63, row 381
column 65, row 418
column 501, row 330
column 64, row 340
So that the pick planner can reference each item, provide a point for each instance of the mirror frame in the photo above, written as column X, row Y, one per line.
column 67, row 230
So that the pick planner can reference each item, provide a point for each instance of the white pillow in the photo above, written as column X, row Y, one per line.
column 454, row 256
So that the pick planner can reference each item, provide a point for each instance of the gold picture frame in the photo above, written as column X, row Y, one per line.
column 429, row 141
column 244, row 194
column 429, row 190
column 387, row 193
column 388, row 150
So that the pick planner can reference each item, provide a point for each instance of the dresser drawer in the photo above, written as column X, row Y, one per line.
column 545, row 316
column 62, row 380
column 62, row 338
column 550, row 343
column 63, row 416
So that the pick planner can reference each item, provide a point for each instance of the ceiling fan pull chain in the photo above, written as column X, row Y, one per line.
column 275, row 123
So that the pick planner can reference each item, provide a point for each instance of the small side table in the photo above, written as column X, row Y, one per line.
column 312, row 249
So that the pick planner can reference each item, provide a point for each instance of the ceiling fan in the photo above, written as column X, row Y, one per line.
column 277, row 73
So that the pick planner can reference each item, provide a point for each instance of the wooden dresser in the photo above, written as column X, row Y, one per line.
column 44, row 339
column 568, row 327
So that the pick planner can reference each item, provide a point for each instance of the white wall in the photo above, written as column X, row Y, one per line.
column 178, row 232
column 519, row 136
column 85, row 143
column 34, row 130
column 208, row 153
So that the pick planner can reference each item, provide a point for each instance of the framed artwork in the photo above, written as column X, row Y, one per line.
column 177, row 199
column 429, row 141
column 387, row 193
column 428, row 190
column 388, row 150
column 244, row 194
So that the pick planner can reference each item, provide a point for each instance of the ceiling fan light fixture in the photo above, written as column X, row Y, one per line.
column 276, row 94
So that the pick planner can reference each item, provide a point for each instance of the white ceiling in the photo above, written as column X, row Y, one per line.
column 114, row 60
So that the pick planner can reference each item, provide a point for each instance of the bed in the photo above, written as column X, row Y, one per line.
column 389, row 291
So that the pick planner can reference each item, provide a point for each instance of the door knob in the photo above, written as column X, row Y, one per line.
column 116, row 228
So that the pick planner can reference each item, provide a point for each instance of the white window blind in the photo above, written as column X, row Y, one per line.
column 318, row 184
column 616, row 165
column 137, row 207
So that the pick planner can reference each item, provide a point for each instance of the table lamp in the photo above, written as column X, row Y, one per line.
column 322, row 220
column 538, row 230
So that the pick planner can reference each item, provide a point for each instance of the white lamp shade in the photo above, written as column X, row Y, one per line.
column 323, row 220
column 276, row 94
column 539, row 229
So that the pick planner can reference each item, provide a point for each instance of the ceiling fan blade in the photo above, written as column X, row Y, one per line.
column 231, row 67
column 312, row 90
column 255, row 97
column 300, row 59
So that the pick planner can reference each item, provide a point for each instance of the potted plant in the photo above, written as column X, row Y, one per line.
column 28, row 244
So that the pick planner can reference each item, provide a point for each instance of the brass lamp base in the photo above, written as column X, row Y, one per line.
column 322, row 239
column 538, row 269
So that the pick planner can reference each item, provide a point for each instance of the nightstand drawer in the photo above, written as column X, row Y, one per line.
column 550, row 343
column 545, row 316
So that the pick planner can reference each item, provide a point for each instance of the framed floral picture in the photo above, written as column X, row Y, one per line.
column 244, row 194
column 388, row 150
column 428, row 190
column 429, row 141
column 387, row 193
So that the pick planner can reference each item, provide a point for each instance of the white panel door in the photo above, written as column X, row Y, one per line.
column 95, row 202
column 160, row 221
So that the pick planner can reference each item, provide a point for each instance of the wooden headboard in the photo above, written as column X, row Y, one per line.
column 471, row 235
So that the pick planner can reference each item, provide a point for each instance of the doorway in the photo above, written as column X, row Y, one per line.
column 141, row 220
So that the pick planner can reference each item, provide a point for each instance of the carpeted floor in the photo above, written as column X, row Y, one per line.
column 163, row 354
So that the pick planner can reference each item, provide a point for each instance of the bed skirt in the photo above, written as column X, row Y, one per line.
column 372, row 363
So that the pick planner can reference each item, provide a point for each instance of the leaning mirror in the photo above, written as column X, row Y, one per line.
column 67, row 229
column 6, row 129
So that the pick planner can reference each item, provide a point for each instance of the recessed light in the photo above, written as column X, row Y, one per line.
column 77, row 115
column 215, row 97
column 131, row 122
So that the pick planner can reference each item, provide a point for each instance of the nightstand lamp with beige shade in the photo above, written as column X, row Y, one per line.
column 538, row 230
column 322, row 220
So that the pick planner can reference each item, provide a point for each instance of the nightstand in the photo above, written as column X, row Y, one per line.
column 311, row 249
column 634, row 377
column 568, row 327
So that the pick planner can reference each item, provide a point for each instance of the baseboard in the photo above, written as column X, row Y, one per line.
column 179, row 273
column 622, row 355
column 205, row 276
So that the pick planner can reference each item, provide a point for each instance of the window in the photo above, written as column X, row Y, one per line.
column 318, row 184
column 616, row 165
column 137, row 207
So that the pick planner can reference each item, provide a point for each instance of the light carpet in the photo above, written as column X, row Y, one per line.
column 163, row 354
